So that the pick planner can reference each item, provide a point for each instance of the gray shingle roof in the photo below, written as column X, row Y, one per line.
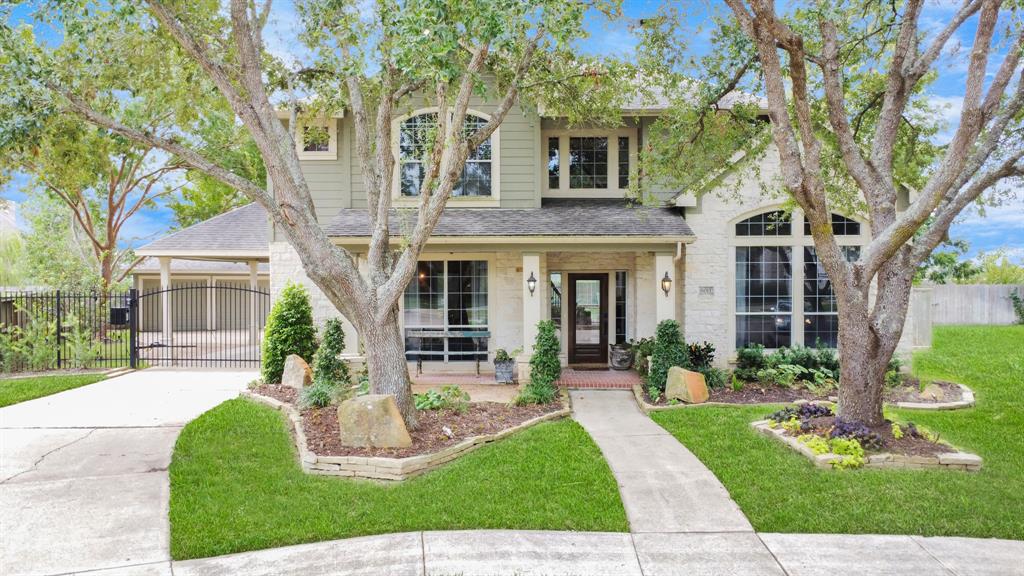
column 557, row 217
column 242, row 229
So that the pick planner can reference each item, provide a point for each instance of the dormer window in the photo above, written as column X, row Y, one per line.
column 416, row 137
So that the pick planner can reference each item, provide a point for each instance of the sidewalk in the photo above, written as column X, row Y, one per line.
column 529, row 553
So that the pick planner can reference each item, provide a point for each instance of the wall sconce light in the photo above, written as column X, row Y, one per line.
column 666, row 284
column 531, row 283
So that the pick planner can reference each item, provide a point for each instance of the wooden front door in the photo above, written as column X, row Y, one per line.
column 588, row 319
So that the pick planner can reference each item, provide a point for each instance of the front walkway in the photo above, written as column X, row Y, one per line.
column 664, row 487
column 83, row 473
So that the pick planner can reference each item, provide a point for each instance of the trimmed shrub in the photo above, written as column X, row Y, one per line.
column 289, row 331
column 701, row 355
column 669, row 351
column 545, row 369
column 327, row 366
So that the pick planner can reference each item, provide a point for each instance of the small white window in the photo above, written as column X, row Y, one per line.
column 317, row 140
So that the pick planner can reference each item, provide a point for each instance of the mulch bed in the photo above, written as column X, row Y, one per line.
column 438, row 429
column 907, row 445
column 934, row 392
column 752, row 393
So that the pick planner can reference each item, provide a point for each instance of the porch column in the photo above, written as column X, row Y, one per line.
column 165, row 300
column 665, row 304
column 254, row 326
column 533, row 308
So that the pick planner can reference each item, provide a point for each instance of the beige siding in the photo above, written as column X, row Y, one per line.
column 233, row 306
column 328, row 180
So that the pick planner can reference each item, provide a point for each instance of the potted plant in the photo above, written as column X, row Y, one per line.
column 621, row 355
column 504, row 365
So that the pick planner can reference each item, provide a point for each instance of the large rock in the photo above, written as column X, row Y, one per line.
column 296, row 372
column 372, row 421
column 686, row 386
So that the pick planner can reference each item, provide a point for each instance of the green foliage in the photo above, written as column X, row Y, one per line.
column 715, row 378
column 851, row 451
column 996, row 268
column 545, row 367
column 327, row 364
column 815, row 368
column 30, row 347
column 642, row 349
column 1018, row 306
column 784, row 375
column 947, row 264
column 448, row 398
column 502, row 355
column 289, row 330
column 749, row 359
column 13, row 260
column 53, row 256
column 701, row 355
column 654, row 393
column 669, row 351
column 897, row 431
column 737, row 383
column 321, row 393
column 82, row 347
column 816, row 443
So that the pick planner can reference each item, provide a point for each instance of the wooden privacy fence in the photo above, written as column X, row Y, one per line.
column 960, row 304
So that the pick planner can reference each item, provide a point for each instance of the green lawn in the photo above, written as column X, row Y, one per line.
column 21, row 389
column 780, row 491
column 236, row 485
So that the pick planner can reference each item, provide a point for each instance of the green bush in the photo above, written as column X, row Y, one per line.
column 448, row 398
column 327, row 366
column 1018, row 305
column 715, row 378
column 669, row 351
column 642, row 348
column 289, row 331
column 321, row 394
column 701, row 355
column 29, row 347
column 749, row 360
column 545, row 368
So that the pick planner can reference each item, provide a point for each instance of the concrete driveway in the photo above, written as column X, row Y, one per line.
column 83, row 473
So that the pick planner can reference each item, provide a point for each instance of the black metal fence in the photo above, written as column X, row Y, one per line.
column 217, row 325
column 64, row 330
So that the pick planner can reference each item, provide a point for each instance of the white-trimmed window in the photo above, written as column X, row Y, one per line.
column 782, row 294
column 446, row 311
column 588, row 163
column 415, row 135
column 317, row 139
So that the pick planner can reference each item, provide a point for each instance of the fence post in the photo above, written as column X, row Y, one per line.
column 133, row 328
column 60, row 331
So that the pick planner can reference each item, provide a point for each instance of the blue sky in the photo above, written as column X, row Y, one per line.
column 1002, row 227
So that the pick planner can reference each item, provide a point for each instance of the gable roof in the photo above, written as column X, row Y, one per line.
column 558, row 217
column 243, row 232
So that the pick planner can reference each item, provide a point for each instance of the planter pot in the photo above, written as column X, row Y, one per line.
column 503, row 371
column 621, row 357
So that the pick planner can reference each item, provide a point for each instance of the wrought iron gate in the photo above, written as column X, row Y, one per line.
column 198, row 325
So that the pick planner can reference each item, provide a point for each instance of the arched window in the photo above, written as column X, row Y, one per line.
column 783, row 295
column 416, row 135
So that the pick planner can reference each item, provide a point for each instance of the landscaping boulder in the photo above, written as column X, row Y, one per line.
column 372, row 421
column 296, row 372
column 686, row 386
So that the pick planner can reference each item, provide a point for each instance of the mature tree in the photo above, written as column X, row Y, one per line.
column 102, row 179
column 377, row 65
column 55, row 252
column 204, row 196
column 842, row 83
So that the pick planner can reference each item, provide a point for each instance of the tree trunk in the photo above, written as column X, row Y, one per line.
column 864, row 354
column 385, row 358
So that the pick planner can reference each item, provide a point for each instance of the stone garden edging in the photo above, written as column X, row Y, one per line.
column 382, row 468
column 946, row 461
column 966, row 401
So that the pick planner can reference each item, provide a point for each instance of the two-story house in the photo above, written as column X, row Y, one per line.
column 541, row 228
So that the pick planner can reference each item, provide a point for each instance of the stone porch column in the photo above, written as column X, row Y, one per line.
column 665, row 304
column 533, row 310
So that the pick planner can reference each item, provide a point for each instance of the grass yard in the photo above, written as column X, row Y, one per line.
column 17, row 390
column 781, row 491
column 236, row 485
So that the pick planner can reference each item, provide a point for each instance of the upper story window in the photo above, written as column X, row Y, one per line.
column 776, row 223
column 588, row 163
column 841, row 226
column 317, row 140
column 416, row 136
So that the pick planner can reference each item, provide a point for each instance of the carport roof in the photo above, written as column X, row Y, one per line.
column 239, row 234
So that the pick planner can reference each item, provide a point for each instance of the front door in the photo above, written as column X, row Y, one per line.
column 588, row 319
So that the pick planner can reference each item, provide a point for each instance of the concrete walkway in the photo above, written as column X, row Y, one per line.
column 528, row 553
column 664, row 487
column 83, row 473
